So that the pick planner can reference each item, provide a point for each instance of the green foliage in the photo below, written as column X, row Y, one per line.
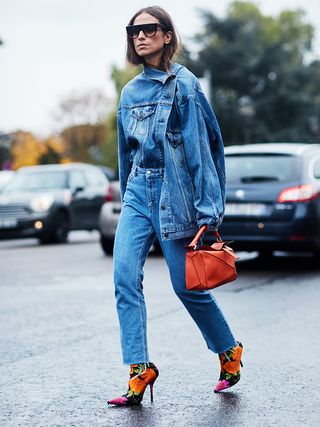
column 5, row 153
column 120, row 78
column 262, row 88
column 83, row 143
column 49, row 157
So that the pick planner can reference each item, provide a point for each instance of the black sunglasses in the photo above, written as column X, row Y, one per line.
column 149, row 30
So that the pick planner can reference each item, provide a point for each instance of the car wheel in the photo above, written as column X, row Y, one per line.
column 157, row 247
column 107, row 244
column 316, row 254
column 265, row 253
column 60, row 232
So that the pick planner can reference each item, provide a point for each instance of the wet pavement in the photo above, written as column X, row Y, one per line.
column 60, row 356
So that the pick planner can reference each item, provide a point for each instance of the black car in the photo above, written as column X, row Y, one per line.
column 110, row 173
column 273, row 198
column 50, row 200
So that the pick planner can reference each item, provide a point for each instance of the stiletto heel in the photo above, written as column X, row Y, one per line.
column 141, row 375
column 151, row 391
column 230, row 363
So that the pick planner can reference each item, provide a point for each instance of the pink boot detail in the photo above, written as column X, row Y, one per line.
column 119, row 401
column 221, row 385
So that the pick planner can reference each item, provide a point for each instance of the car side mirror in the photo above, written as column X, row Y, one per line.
column 77, row 190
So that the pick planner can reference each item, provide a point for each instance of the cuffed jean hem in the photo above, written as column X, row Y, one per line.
column 223, row 349
column 134, row 361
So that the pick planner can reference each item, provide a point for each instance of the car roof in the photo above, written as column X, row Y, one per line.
column 6, row 172
column 295, row 148
column 55, row 167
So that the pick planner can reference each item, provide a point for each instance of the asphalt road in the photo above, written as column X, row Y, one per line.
column 60, row 355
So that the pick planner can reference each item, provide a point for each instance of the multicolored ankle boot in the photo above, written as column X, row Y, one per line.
column 141, row 375
column 230, row 362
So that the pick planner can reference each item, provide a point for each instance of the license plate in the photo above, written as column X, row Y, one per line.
column 246, row 209
column 8, row 223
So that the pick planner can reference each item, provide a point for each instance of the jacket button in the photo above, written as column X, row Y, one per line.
column 163, row 207
column 166, row 235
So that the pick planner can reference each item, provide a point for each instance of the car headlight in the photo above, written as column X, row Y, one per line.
column 41, row 203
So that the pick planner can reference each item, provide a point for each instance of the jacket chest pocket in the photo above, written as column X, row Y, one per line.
column 176, row 147
column 140, row 119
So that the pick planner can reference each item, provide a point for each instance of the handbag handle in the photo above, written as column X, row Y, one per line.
column 196, row 238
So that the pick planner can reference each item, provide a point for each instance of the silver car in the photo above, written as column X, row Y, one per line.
column 109, row 217
column 5, row 176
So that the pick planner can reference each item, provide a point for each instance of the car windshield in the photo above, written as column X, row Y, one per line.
column 36, row 181
column 253, row 168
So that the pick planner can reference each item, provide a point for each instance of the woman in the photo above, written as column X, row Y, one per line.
column 172, row 179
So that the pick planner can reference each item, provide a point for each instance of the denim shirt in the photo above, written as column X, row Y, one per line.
column 164, row 120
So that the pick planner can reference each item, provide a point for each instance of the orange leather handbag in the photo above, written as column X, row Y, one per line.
column 208, row 267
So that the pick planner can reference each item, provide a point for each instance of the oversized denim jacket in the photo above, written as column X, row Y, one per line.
column 193, row 190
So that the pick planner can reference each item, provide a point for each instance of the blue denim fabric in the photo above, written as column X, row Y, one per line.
column 184, row 139
column 138, row 225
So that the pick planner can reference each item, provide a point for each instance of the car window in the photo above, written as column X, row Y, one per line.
column 36, row 181
column 262, row 168
column 316, row 169
column 77, row 179
column 5, row 177
column 95, row 178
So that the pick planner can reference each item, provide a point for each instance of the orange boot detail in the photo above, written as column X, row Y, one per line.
column 141, row 375
column 230, row 362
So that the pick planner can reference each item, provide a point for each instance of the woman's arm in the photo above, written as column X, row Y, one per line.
column 205, row 158
column 124, row 152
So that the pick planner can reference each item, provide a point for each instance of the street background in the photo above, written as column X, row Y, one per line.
column 60, row 354
column 53, row 47
column 62, row 71
column 63, row 67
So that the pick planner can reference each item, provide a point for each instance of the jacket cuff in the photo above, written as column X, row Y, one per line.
column 212, row 224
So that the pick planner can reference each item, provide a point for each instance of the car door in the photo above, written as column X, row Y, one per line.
column 97, row 189
column 80, row 204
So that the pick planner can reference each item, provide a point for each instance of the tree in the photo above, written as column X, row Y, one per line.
column 5, row 150
column 313, row 91
column 260, row 80
column 82, row 108
column 84, row 143
column 27, row 150
column 110, row 150
column 81, row 117
column 53, row 151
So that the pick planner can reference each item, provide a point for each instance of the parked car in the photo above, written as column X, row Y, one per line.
column 109, row 217
column 110, row 173
column 5, row 177
column 48, row 201
column 272, row 203
column 273, row 198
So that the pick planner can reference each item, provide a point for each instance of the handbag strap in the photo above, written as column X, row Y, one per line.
column 196, row 238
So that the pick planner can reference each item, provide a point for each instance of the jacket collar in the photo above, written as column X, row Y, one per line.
column 161, row 76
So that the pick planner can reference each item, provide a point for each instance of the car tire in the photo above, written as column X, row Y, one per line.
column 107, row 244
column 265, row 254
column 157, row 247
column 60, row 232
column 316, row 254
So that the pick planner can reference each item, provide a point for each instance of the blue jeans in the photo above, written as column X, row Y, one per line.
column 138, row 225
